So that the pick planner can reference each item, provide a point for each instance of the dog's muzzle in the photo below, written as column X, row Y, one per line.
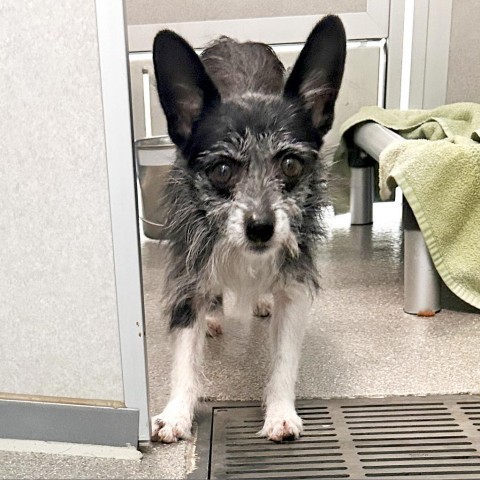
column 259, row 229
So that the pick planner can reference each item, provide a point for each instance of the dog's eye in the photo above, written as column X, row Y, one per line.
column 221, row 174
column 292, row 167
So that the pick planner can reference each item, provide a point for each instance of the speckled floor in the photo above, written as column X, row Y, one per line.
column 359, row 340
column 359, row 343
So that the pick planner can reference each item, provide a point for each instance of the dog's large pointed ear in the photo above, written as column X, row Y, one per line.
column 183, row 85
column 317, row 74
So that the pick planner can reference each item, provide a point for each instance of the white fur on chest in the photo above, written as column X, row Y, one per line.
column 245, row 275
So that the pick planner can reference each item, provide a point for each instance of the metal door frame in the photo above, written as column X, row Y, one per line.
column 123, row 204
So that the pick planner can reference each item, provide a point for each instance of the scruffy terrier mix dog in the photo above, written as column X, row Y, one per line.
column 244, row 201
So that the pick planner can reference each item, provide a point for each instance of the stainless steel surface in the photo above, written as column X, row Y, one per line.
column 422, row 282
column 154, row 156
column 361, row 195
column 155, row 151
column 400, row 437
column 373, row 138
column 152, row 182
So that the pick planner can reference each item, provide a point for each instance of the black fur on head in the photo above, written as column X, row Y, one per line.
column 184, row 87
column 247, row 182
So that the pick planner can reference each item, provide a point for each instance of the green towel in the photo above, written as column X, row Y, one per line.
column 439, row 174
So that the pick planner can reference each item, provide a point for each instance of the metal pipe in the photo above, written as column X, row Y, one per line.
column 361, row 195
column 373, row 138
column 422, row 282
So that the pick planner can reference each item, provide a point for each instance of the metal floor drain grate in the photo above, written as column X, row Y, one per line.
column 435, row 437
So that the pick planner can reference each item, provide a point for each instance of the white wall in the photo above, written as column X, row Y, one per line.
column 58, row 320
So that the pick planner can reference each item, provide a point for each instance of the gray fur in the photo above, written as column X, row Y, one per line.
column 230, row 65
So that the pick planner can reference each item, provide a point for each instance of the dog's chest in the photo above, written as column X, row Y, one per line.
column 248, row 274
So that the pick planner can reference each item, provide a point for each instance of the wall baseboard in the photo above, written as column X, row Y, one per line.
column 58, row 422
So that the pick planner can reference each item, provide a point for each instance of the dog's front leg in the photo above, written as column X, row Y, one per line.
column 288, row 325
column 175, row 422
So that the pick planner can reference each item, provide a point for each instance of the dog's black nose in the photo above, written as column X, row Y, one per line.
column 260, row 228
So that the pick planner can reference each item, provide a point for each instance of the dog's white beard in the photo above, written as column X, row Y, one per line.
column 244, row 273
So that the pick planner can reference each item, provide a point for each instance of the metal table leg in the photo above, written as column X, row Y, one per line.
column 422, row 282
column 361, row 195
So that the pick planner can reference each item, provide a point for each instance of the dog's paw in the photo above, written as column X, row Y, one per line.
column 278, row 426
column 263, row 307
column 214, row 324
column 168, row 428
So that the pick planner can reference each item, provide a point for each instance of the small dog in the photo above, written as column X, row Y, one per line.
column 244, row 201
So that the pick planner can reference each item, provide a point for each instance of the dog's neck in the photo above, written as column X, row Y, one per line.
column 239, row 270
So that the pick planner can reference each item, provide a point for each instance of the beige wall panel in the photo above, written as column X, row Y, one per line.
column 464, row 61
column 143, row 12
column 59, row 328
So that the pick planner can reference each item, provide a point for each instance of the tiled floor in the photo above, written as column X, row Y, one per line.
column 359, row 343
